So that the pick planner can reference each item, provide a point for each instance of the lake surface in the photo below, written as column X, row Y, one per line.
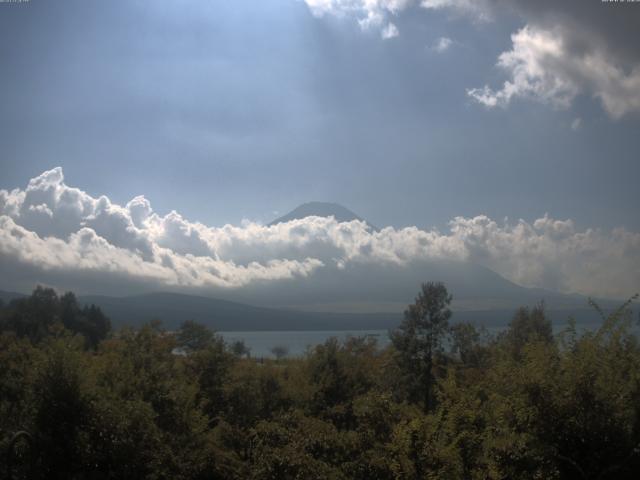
column 297, row 342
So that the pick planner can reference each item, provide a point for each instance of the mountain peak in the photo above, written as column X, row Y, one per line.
column 320, row 209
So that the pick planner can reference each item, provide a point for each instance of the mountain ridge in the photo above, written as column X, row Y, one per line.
column 224, row 315
column 321, row 209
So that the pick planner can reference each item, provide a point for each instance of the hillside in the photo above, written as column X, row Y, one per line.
column 223, row 315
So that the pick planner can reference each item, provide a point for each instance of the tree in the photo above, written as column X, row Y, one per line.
column 419, row 339
column 240, row 349
column 38, row 315
column 210, row 367
column 62, row 408
column 33, row 316
column 466, row 343
column 280, row 351
column 194, row 336
column 98, row 324
column 527, row 325
column 88, row 321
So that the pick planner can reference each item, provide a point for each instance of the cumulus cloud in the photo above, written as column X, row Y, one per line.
column 541, row 66
column 552, row 253
column 55, row 229
column 564, row 49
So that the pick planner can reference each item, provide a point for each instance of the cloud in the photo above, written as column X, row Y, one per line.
column 56, row 231
column 541, row 66
column 52, row 226
column 369, row 13
column 564, row 49
column 576, row 124
column 442, row 44
column 376, row 13
column 390, row 31
column 320, row 8
column 478, row 10
column 553, row 254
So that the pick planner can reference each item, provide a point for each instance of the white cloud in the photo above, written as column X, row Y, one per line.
column 373, row 13
column 442, row 44
column 565, row 49
column 71, row 233
column 390, row 31
column 543, row 68
column 369, row 13
column 55, row 227
column 476, row 9
column 553, row 254
column 576, row 124
column 140, row 210
column 320, row 8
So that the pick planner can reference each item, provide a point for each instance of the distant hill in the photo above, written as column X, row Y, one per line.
column 369, row 287
column 222, row 315
column 6, row 297
column 320, row 209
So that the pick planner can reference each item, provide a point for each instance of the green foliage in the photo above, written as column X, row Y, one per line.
column 339, row 374
column 210, row 368
column 36, row 317
column 32, row 317
column 418, row 340
column 132, row 405
column 468, row 344
column 527, row 326
column 295, row 446
column 240, row 349
column 194, row 336
column 61, row 407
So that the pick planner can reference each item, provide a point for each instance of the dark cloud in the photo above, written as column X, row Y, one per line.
column 589, row 23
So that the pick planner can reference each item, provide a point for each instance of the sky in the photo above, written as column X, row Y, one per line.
column 463, row 122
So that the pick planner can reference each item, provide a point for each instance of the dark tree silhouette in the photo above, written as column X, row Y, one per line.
column 527, row 325
column 194, row 336
column 35, row 316
column 419, row 338
column 280, row 351
column 240, row 349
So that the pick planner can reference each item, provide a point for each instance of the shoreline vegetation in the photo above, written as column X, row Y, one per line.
column 80, row 400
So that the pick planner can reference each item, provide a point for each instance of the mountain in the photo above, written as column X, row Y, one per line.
column 371, row 287
column 223, row 315
column 320, row 209
column 6, row 297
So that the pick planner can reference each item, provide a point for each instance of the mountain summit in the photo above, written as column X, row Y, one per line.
column 320, row 209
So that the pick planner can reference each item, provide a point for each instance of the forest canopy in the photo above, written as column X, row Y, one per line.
column 443, row 400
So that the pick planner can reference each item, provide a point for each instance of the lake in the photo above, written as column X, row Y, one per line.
column 297, row 342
